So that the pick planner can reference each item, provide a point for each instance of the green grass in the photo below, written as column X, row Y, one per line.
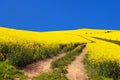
column 67, row 59
column 9, row 72
column 108, row 40
column 58, row 74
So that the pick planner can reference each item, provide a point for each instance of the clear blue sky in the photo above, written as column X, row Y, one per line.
column 45, row 15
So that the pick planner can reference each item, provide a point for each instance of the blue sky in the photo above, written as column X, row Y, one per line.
column 46, row 15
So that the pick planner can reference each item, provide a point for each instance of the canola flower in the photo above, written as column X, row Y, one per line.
column 103, row 51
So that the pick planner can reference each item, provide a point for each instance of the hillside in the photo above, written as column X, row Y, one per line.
column 19, row 48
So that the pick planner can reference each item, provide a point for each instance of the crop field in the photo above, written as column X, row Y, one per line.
column 19, row 48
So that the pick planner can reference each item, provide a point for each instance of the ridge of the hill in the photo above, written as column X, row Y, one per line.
column 81, row 29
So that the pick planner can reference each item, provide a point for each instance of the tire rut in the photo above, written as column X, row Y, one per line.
column 76, row 70
column 40, row 66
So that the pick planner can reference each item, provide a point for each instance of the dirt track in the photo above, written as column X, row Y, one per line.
column 76, row 70
column 36, row 68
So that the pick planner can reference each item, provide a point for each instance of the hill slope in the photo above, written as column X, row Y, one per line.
column 20, row 47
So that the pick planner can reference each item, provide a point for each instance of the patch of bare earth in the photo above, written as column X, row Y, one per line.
column 41, row 66
column 76, row 70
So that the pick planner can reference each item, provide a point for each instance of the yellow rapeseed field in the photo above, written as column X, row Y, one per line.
column 49, row 37
column 102, row 50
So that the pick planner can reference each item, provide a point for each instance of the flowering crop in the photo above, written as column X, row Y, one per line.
column 23, row 47
column 103, row 58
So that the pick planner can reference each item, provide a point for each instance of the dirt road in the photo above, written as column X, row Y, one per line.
column 36, row 68
column 76, row 70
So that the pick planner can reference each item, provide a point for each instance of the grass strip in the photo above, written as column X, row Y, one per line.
column 108, row 40
column 9, row 72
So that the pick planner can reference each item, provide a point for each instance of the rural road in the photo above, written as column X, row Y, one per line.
column 76, row 70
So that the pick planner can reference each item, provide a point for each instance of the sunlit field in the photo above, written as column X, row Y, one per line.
column 19, row 48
